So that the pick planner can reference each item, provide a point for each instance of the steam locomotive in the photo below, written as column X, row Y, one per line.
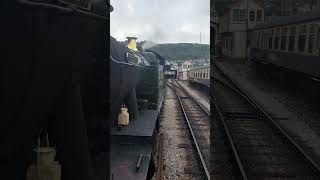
column 137, row 82
column 54, row 76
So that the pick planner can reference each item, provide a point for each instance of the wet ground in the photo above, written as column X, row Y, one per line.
column 289, row 106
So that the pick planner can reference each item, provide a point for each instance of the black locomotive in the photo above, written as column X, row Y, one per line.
column 53, row 79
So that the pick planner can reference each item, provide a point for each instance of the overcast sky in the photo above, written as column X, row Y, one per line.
column 161, row 21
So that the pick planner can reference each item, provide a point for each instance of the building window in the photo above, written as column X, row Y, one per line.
column 236, row 15
column 284, row 39
column 259, row 15
column 252, row 15
column 243, row 15
column 311, row 38
column 292, row 36
column 302, row 38
column 239, row 15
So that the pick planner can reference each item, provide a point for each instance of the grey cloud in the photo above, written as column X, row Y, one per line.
column 161, row 21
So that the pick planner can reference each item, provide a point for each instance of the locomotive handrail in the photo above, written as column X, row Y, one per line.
column 69, row 9
column 125, row 63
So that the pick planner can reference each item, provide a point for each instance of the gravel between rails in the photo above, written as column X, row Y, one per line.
column 203, row 98
column 180, row 157
column 168, row 126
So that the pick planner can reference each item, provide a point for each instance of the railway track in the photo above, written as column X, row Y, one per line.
column 259, row 148
column 197, row 125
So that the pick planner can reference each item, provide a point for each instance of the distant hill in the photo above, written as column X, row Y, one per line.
column 182, row 50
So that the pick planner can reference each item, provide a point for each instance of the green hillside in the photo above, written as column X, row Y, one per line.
column 182, row 50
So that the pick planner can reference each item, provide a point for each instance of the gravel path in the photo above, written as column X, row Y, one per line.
column 168, row 126
column 291, row 110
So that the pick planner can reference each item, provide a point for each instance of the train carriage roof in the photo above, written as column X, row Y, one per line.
column 200, row 67
column 314, row 15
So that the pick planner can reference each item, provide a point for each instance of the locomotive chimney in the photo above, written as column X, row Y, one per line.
column 132, row 44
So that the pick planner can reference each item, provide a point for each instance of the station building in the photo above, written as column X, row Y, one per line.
column 183, row 70
column 235, row 18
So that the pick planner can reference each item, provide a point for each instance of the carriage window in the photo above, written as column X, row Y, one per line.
column 292, row 36
column 276, row 39
column 284, row 39
column 256, row 39
column 252, row 15
column 259, row 15
column 270, row 39
column 263, row 39
column 302, row 38
column 260, row 40
column 311, row 38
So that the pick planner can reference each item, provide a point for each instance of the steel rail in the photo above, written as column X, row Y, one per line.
column 230, row 138
column 193, row 98
column 204, row 166
column 264, row 114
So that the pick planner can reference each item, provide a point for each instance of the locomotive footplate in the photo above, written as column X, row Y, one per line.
column 131, row 147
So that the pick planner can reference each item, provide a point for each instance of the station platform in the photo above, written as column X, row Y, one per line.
column 133, row 145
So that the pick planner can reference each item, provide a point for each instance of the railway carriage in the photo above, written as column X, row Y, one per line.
column 200, row 75
column 291, row 42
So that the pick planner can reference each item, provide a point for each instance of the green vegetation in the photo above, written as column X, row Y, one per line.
column 182, row 51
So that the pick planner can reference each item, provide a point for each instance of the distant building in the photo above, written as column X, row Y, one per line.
column 235, row 18
column 183, row 69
